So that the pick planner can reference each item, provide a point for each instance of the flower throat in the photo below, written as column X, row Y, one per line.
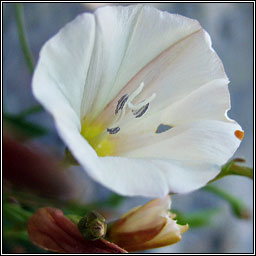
column 99, row 137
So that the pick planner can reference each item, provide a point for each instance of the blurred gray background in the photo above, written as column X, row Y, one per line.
column 230, row 26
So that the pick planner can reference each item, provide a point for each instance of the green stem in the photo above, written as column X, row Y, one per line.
column 197, row 219
column 29, row 111
column 232, row 168
column 237, row 206
column 16, row 214
column 22, row 36
column 241, row 170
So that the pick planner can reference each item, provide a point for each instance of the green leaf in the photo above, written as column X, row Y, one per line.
column 32, row 110
column 27, row 128
column 74, row 218
column 14, row 234
column 196, row 219
column 16, row 215
column 114, row 200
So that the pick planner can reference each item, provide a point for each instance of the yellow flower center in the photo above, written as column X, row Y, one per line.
column 98, row 139
column 99, row 136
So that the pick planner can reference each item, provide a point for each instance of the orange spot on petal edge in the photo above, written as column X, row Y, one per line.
column 239, row 134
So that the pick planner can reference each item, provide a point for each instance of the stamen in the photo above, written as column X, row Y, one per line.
column 121, row 103
column 113, row 130
column 117, row 122
column 136, row 92
column 141, row 111
column 138, row 110
column 141, row 104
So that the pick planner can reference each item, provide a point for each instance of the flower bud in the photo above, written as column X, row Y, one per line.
column 92, row 226
column 145, row 227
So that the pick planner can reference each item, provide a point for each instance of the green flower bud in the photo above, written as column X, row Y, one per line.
column 92, row 226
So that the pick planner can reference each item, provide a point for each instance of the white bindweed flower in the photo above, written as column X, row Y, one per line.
column 112, row 78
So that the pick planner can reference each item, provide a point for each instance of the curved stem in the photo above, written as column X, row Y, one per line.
column 22, row 36
column 232, row 168
column 241, row 170
column 237, row 206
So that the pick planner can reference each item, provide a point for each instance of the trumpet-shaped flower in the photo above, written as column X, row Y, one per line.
column 140, row 98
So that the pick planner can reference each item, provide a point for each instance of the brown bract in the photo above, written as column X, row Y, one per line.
column 51, row 230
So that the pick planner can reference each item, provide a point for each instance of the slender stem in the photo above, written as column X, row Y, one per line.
column 232, row 168
column 16, row 214
column 29, row 111
column 221, row 193
column 22, row 36
column 237, row 206
column 241, row 170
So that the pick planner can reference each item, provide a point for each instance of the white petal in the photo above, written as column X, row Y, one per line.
column 188, row 157
column 209, row 102
column 133, row 177
column 60, row 74
column 113, row 28
column 207, row 141
column 179, row 70
column 154, row 177
column 58, row 84
column 138, row 35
